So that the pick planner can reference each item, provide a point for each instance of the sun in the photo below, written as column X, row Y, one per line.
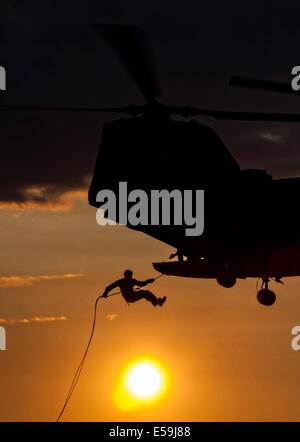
column 144, row 380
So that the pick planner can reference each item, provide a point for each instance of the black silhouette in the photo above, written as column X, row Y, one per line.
column 246, row 233
column 251, row 220
column 177, row 254
column 130, row 295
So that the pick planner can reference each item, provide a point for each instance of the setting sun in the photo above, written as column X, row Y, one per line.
column 144, row 380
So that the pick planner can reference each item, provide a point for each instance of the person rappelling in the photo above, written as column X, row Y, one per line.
column 130, row 295
column 126, row 286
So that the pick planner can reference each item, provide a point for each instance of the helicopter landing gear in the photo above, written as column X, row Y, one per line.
column 264, row 295
column 226, row 279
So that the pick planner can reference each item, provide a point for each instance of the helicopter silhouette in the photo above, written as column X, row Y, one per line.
column 251, row 220
column 247, row 231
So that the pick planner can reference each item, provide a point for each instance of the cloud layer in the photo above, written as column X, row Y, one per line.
column 54, row 153
column 35, row 319
column 111, row 316
column 24, row 281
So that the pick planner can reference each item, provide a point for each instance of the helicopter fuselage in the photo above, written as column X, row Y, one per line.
column 248, row 216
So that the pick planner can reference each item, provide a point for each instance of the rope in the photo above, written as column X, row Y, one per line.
column 159, row 276
column 80, row 366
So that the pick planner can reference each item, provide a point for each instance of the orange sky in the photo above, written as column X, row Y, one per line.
column 230, row 358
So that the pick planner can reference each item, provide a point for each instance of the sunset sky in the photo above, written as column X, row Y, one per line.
column 228, row 357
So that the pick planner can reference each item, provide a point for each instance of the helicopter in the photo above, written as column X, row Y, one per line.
column 158, row 146
column 245, row 234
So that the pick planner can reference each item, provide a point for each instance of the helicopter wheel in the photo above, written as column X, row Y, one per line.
column 266, row 297
column 226, row 279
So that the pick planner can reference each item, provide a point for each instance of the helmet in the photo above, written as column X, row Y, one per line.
column 128, row 274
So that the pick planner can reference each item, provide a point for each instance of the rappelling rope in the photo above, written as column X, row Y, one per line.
column 80, row 366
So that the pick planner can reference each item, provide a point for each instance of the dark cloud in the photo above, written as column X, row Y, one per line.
column 45, row 156
column 54, row 57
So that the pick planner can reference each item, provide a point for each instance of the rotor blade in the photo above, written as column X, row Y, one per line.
column 132, row 109
column 54, row 109
column 238, row 116
column 128, row 43
column 265, row 85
